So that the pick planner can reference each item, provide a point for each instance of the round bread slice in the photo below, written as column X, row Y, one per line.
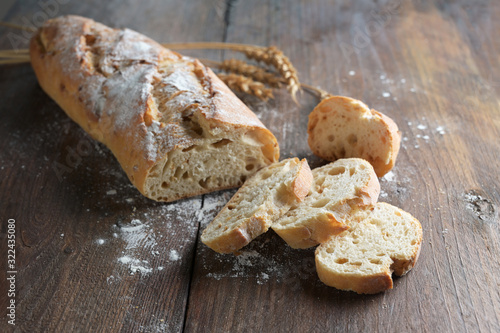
column 345, row 127
column 261, row 200
column 381, row 240
column 337, row 187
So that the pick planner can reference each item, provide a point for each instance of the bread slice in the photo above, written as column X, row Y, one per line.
column 260, row 201
column 381, row 240
column 174, row 127
column 337, row 188
column 345, row 127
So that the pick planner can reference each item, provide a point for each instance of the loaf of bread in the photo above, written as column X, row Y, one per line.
column 342, row 127
column 381, row 240
column 258, row 203
column 174, row 127
column 337, row 189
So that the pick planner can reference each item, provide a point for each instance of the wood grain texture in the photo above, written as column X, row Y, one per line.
column 432, row 66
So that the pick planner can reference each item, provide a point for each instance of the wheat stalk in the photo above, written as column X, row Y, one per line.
column 14, row 52
column 242, row 76
column 275, row 57
column 322, row 94
column 257, row 73
column 17, row 26
column 271, row 56
column 13, row 61
column 247, row 85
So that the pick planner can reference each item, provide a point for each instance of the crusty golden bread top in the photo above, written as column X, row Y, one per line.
column 127, row 90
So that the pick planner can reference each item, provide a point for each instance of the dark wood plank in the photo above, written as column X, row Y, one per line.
column 433, row 68
column 93, row 255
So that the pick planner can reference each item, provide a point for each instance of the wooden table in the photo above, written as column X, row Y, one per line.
column 93, row 255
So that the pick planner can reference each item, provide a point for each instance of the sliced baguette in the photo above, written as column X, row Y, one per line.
column 345, row 127
column 261, row 200
column 337, row 188
column 381, row 240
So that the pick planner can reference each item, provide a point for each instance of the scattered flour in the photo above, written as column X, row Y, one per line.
column 136, row 265
column 386, row 94
column 174, row 255
column 352, row 73
column 389, row 176
column 252, row 264
column 111, row 192
column 424, row 133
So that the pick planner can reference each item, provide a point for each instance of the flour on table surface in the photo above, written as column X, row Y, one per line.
column 389, row 176
column 174, row 255
column 142, row 236
column 421, row 133
column 261, row 263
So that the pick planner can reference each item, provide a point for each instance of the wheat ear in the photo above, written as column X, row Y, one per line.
column 275, row 57
column 247, row 85
column 257, row 73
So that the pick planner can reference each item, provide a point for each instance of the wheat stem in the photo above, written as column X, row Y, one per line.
column 13, row 61
column 211, row 46
column 322, row 94
column 17, row 26
column 24, row 57
column 15, row 51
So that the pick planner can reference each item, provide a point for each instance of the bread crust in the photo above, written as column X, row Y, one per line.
column 354, row 282
column 85, row 67
column 392, row 260
column 316, row 231
column 240, row 237
column 302, row 184
column 327, row 111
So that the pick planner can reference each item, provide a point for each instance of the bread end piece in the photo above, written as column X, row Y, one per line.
column 258, row 203
column 341, row 127
column 382, row 240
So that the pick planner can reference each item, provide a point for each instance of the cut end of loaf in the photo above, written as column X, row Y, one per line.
column 341, row 127
column 381, row 240
column 207, row 165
